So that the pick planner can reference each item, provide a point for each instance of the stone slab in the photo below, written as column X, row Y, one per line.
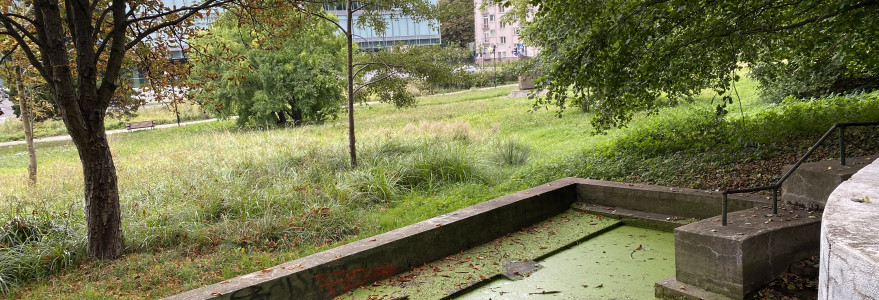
column 672, row 289
column 635, row 218
column 812, row 183
column 850, row 239
column 755, row 248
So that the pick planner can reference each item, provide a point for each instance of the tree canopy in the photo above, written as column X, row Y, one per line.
column 269, row 74
column 456, row 22
column 618, row 57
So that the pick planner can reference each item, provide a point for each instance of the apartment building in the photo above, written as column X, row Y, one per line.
column 495, row 39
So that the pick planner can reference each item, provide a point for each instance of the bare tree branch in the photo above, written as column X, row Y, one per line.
column 190, row 11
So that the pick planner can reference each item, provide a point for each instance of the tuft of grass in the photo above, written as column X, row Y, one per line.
column 511, row 152
column 36, row 246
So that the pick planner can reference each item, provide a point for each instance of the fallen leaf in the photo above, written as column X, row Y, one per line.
column 683, row 287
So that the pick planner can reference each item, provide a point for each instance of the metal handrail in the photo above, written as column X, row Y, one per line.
column 839, row 126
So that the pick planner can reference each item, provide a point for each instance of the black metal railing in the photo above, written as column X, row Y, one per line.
column 838, row 126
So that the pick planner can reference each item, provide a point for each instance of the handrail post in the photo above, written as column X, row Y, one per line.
column 775, row 200
column 842, row 145
column 723, row 210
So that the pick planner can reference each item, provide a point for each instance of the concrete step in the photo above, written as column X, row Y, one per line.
column 635, row 217
column 671, row 288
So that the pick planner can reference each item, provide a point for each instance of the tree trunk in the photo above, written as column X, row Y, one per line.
column 349, row 36
column 28, row 127
column 282, row 118
column 296, row 115
column 102, row 210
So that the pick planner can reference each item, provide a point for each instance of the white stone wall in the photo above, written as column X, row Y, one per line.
column 850, row 239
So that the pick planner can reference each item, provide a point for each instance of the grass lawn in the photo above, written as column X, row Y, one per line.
column 207, row 202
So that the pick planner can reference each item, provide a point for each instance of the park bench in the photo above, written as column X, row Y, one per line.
column 139, row 125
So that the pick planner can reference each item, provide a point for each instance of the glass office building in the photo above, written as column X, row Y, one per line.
column 400, row 30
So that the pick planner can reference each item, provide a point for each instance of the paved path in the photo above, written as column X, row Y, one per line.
column 67, row 137
column 6, row 108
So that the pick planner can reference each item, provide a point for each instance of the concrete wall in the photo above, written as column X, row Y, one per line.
column 665, row 200
column 850, row 239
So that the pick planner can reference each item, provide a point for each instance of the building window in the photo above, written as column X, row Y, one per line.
column 485, row 21
column 487, row 36
column 503, row 54
column 491, row 18
column 492, row 32
column 501, row 8
column 516, row 30
column 503, row 25
column 503, row 40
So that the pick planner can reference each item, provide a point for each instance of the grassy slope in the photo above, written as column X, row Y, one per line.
column 208, row 202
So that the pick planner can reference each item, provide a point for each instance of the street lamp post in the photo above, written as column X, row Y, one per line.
column 494, row 51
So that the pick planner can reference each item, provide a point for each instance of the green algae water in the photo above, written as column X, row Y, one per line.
column 609, row 262
column 623, row 263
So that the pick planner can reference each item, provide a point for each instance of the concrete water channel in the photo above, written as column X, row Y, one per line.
column 568, row 239
column 586, row 239
column 573, row 255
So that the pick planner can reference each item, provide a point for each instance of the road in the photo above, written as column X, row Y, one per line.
column 6, row 108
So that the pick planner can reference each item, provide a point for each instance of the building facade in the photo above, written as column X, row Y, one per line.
column 495, row 39
column 400, row 30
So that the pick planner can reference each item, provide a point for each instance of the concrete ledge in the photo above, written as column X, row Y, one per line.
column 635, row 218
column 688, row 203
column 672, row 289
column 812, row 183
column 850, row 239
column 752, row 250
column 327, row 274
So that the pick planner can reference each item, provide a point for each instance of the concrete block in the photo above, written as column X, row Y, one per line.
column 526, row 83
column 812, row 183
column 751, row 251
